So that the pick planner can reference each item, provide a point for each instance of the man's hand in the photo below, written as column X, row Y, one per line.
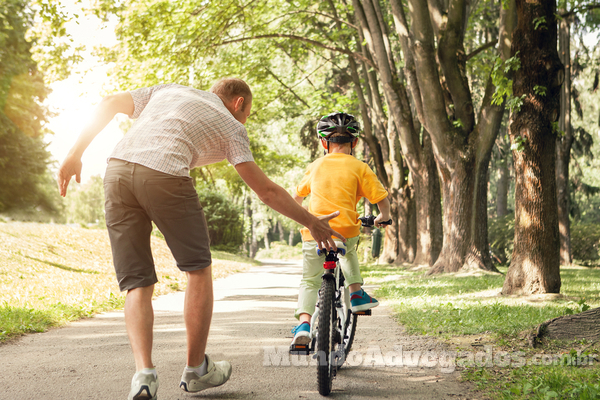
column 322, row 232
column 71, row 166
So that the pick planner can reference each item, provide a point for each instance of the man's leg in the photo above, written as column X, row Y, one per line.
column 139, row 320
column 197, row 312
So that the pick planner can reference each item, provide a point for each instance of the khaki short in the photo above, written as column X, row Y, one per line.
column 135, row 197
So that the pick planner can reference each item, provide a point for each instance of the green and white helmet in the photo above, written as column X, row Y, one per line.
column 338, row 123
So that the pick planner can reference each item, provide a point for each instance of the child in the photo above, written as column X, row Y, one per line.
column 337, row 182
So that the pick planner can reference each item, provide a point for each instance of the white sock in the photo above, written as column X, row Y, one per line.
column 150, row 370
column 201, row 370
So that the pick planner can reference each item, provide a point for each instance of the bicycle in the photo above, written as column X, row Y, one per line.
column 333, row 325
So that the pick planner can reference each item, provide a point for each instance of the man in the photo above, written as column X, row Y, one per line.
column 147, row 180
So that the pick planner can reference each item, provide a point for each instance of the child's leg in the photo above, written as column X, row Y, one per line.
column 351, row 266
column 312, row 266
column 312, row 269
column 359, row 300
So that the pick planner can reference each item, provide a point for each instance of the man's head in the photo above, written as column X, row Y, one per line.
column 236, row 95
column 339, row 128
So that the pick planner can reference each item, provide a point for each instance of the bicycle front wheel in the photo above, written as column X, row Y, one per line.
column 325, row 340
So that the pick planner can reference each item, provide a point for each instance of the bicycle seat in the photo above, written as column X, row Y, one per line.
column 341, row 249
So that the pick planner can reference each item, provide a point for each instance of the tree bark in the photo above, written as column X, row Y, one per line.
column 585, row 325
column 563, row 145
column 502, row 188
column 535, row 264
column 404, row 232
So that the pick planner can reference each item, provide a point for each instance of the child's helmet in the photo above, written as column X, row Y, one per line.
column 340, row 123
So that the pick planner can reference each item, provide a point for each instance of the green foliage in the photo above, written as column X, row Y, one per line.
column 585, row 242
column 580, row 307
column 85, row 203
column 23, row 155
column 519, row 143
column 500, row 79
column 501, row 234
column 540, row 90
column 281, row 251
column 53, row 50
column 540, row 23
column 223, row 219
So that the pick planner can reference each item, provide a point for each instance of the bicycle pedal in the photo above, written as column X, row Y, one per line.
column 366, row 312
column 300, row 349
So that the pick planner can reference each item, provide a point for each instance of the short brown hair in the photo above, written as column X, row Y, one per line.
column 229, row 88
column 345, row 134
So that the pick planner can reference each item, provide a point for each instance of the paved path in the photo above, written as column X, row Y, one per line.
column 91, row 358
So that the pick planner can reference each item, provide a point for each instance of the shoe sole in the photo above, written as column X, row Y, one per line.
column 303, row 340
column 364, row 307
column 140, row 396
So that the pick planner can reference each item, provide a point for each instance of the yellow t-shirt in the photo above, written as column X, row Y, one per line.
column 337, row 182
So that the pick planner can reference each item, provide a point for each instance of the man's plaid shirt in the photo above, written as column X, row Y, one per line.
column 179, row 128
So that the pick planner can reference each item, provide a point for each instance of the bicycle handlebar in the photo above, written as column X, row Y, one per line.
column 369, row 221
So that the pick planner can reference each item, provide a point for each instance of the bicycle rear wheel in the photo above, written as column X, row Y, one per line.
column 325, row 337
column 349, row 331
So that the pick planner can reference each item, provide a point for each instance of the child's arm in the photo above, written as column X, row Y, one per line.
column 298, row 199
column 384, row 212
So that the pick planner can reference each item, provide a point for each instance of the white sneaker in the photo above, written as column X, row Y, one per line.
column 144, row 386
column 218, row 373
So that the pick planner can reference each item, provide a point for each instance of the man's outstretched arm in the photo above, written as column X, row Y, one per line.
column 103, row 114
column 280, row 200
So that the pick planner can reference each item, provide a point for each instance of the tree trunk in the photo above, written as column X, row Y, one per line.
column 535, row 263
column 458, row 188
column 266, row 240
column 585, row 325
column 428, row 209
column 391, row 243
column 502, row 188
column 405, row 252
column 367, row 231
column 291, row 237
column 563, row 146
column 254, row 240
column 279, row 226
column 248, row 219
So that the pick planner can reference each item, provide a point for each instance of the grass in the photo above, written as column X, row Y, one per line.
column 53, row 274
column 538, row 382
column 281, row 251
column 467, row 310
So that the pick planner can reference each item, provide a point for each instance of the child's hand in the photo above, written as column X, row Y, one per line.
column 382, row 221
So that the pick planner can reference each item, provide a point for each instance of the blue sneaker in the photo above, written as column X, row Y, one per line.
column 301, row 334
column 361, row 301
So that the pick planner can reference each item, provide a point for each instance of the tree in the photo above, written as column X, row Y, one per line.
column 462, row 139
column 404, row 142
column 564, row 143
column 86, row 202
column 535, row 264
column 23, row 154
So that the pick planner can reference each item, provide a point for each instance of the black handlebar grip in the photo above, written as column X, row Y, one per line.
column 369, row 221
